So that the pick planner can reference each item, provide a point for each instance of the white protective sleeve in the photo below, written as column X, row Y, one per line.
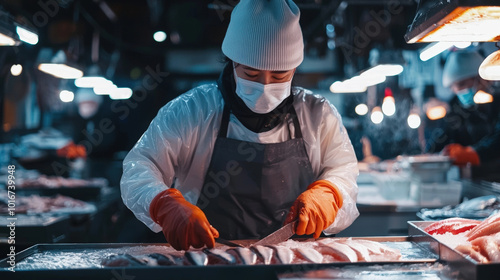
column 179, row 142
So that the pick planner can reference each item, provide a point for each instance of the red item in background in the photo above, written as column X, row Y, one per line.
column 72, row 151
column 183, row 223
column 316, row 208
column 461, row 155
column 451, row 225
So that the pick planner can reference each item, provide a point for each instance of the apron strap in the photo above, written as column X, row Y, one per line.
column 296, row 124
column 224, row 122
column 291, row 117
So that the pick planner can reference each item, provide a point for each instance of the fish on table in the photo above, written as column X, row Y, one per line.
column 290, row 252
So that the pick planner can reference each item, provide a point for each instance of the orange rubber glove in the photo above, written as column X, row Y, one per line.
column 316, row 208
column 72, row 151
column 183, row 223
column 461, row 155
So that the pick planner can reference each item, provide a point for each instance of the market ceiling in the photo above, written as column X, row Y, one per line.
column 125, row 27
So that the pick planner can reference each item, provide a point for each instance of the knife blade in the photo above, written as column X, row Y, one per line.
column 279, row 235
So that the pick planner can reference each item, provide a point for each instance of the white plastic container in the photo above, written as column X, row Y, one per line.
column 440, row 194
column 393, row 186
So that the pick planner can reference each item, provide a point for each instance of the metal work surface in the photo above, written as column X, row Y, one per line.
column 469, row 268
column 53, row 261
column 427, row 271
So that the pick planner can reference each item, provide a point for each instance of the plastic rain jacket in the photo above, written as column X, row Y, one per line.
column 177, row 148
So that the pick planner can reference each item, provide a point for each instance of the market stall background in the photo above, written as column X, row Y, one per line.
column 46, row 120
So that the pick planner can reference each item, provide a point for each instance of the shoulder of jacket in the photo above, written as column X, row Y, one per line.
column 204, row 98
column 310, row 99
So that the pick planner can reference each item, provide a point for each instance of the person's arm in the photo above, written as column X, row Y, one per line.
column 329, row 203
column 151, row 165
column 339, row 166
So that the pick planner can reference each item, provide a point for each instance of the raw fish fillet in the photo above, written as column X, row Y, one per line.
column 471, row 251
column 282, row 255
column 381, row 251
column 195, row 258
column 451, row 225
column 361, row 250
column 487, row 246
column 487, row 229
column 264, row 254
column 309, row 254
column 243, row 255
column 490, row 225
column 218, row 256
column 339, row 251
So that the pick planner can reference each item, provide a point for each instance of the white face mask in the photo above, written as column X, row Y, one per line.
column 261, row 98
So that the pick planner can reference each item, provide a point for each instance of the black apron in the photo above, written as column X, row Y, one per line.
column 250, row 187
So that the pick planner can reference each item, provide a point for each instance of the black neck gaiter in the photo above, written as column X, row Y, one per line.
column 251, row 120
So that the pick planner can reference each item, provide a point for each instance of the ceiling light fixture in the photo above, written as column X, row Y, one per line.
column 438, row 47
column 482, row 97
column 490, row 68
column 352, row 85
column 66, row 96
column 105, row 89
column 413, row 121
column 27, row 36
column 121, row 93
column 58, row 67
column 361, row 109
column 92, row 82
column 160, row 36
column 436, row 113
column 8, row 36
column 60, row 70
column 377, row 116
column 455, row 20
column 16, row 69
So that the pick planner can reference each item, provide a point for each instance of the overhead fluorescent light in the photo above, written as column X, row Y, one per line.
column 105, row 89
column 121, row 93
column 455, row 20
column 482, row 97
column 438, row 47
column 8, row 36
column 490, row 68
column 66, row 96
column 389, row 106
column 62, row 71
column 413, row 121
column 352, row 85
column 16, row 69
column 92, row 82
column 7, row 40
column 361, row 109
column 377, row 116
column 371, row 80
column 436, row 113
column 385, row 70
column 160, row 36
column 27, row 36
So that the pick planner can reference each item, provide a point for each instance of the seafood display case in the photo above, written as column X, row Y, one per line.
column 72, row 261
column 468, row 267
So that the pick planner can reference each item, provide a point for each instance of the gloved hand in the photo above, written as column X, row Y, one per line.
column 183, row 223
column 461, row 155
column 316, row 208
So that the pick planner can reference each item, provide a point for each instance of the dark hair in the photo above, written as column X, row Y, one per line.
column 225, row 60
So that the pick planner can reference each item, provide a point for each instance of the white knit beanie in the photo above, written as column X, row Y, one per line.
column 265, row 35
column 461, row 65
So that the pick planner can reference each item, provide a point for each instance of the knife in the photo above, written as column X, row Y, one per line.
column 279, row 235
